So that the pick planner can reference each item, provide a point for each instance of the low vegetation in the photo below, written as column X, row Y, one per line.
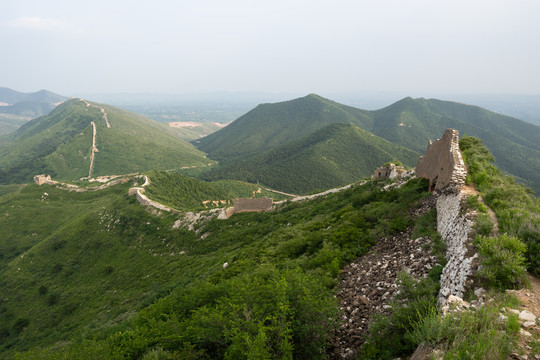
column 185, row 193
column 274, row 299
column 516, row 207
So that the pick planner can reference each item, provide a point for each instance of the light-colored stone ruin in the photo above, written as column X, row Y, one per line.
column 389, row 171
column 252, row 205
column 444, row 167
column 43, row 179
column 443, row 164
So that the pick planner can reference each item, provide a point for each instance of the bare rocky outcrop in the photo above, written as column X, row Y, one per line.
column 368, row 284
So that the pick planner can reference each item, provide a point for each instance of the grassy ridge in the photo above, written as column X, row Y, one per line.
column 60, row 144
column 516, row 208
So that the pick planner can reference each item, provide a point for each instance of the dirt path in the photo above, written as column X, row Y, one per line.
column 468, row 190
column 102, row 110
column 94, row 149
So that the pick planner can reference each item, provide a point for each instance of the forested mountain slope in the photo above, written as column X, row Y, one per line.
column 408, row 122
column 335, row 155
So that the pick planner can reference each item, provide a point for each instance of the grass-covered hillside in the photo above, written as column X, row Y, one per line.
column 409, row 123
column 335, row 155
column 95, row 275
column 185, row 193
column 109, row 280
column 60, row 144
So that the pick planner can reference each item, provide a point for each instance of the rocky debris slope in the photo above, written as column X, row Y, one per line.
column 368, row 284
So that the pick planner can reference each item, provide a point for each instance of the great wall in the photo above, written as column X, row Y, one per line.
column 94, row 149
column 444, row 167
column 368, row 284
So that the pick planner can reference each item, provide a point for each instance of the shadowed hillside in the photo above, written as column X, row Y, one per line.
column 408, row 122
column 335, row 155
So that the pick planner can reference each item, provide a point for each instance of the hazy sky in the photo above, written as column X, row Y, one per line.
column 456, row 46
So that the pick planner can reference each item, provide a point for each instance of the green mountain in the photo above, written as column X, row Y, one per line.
column 16, row 107
column 514, row 143
column 408, row 122
column 269, row 126
column 12, row 97
column 334, row 155
column 61, row 144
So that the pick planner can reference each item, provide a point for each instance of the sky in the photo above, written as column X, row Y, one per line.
column 296, row 46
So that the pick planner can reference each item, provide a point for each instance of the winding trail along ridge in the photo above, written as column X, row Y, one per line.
column 94, row 133
column 94, row 149
column 102, row 110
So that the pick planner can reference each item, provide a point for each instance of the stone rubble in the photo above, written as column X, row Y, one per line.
column 369, row 283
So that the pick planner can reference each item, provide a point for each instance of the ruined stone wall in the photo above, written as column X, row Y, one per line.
column 257, row 204
column 445, row 169
column 455, row 226
column 390, row 171
column 443, row 164
column 144, row 200
column 43, row 179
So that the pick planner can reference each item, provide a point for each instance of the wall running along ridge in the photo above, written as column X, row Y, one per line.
column 443, row 164
column 445, row 169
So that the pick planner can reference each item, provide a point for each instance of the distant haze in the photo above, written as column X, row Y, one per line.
column 299, row 46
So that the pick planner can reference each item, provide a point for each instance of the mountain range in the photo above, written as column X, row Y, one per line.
column 17, row 107
column 297, row 146
column 96, row 275
column 409, row 123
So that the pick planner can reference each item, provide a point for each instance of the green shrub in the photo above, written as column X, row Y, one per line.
column 43, row 290
column 502, row 260
column 476, row 334
column 389, row 336
column 20, row 324
column 474, row 203
column 483, row 225
column 516, row 207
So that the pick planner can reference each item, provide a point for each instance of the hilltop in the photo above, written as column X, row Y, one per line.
column 82, row 139
column 409, row 123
